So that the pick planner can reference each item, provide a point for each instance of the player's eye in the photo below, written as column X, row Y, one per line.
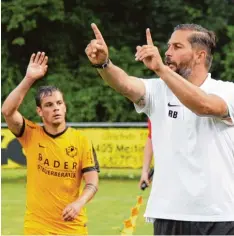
column 48, row 104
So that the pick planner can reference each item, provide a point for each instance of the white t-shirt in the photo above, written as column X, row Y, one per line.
column 194, row 156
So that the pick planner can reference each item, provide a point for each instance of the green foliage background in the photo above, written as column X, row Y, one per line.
column 62, row 29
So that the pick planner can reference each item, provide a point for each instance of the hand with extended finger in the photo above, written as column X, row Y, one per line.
column 149, row 54
column 97, row 50
column 71, row 211
column 37, row 66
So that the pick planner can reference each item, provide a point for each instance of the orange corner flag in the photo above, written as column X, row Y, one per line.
column 130, row 224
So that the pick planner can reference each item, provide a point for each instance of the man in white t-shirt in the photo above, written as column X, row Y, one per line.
column 192, row 117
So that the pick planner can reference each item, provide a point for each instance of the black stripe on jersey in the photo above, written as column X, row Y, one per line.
column 87, row 169
column 22, row 130
column 95, row 160
column 55, row 135
column 96, row 167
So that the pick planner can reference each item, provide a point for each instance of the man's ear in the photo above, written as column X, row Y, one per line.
column 39, row 111
column 201, row 56
column 65, row 107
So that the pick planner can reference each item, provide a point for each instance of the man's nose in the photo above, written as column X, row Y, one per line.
column 56, row 107
column 168, row 53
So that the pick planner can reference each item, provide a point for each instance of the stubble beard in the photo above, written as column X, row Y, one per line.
column 185, row 72
column 183, row 69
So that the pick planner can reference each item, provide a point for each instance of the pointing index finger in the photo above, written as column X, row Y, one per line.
column 97, row 33
column 148, row 37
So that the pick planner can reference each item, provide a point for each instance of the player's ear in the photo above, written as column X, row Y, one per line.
column 65, row 107
column 39, row 111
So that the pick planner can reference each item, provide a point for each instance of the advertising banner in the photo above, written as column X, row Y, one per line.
column 115, row 147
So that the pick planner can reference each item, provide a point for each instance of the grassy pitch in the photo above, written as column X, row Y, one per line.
column 118, row 191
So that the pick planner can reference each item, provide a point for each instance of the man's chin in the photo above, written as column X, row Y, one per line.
column 58, row 122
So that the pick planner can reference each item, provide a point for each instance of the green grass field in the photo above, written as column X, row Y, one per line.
column 118, row 191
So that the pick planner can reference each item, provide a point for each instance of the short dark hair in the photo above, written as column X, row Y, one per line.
column 201, row 38
column 45, row 91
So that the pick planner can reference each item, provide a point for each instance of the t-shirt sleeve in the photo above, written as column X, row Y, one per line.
column 89, row 160
column 153, row 93
column 26, row 135
column 226, row 92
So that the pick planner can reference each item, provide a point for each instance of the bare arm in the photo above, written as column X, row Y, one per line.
column 36, row 69
column 10, row 106
column 192, row 96
column 97, row 52
column 91, row 186
column 129, row 86
column 148, row 154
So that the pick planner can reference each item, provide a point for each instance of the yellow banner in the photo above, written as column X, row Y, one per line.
column 115, row 147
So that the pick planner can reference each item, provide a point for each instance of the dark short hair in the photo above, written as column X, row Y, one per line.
column 45, row 91
column 201, row 38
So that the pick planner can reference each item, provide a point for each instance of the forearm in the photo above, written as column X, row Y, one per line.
column 115, row 77
column 15, row 98
column 190, row 95
column 148, row 154
column 88, row 193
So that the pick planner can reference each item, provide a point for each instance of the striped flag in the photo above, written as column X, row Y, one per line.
column 130, row 223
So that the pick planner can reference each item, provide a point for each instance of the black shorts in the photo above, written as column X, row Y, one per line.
column 174, row 227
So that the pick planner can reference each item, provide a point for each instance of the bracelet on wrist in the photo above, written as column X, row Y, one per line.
column 102, row 66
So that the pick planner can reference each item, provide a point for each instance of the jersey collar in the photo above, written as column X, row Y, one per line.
column 55, row 135
column 206, row 81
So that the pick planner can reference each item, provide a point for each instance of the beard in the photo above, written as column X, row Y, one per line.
column 184, row 69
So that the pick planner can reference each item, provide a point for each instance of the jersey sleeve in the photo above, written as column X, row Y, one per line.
column 26, row 135
column 89, row 160
column 153, row 93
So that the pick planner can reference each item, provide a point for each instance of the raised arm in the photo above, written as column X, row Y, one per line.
column 36, row 69
column 129, row 86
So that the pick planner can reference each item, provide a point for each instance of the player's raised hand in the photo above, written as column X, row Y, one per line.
column 97, row 50
column 37, row 66
column 149, row 54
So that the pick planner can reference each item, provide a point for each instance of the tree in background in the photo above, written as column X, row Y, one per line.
column 62, row 29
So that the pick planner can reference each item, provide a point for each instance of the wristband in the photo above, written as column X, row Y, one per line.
column 102, row 66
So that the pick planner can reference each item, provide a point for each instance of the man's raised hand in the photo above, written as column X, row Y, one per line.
column 37, row 66
column 149, row 54
column 97, row 50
